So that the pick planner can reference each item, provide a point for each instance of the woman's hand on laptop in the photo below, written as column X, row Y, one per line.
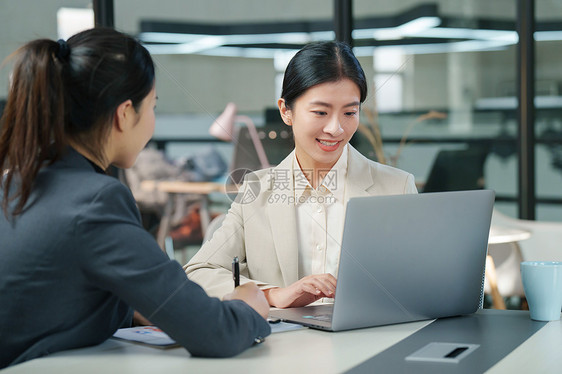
column 251, row 295
column 303, row 292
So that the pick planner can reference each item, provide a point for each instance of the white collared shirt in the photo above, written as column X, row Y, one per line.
column 320, row 218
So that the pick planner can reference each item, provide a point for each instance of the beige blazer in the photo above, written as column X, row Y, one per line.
column 260, row 227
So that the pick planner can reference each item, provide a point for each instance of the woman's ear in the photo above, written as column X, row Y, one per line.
column 285, row 112
column 125, row 115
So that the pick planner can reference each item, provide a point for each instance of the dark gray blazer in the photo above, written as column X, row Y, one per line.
column 77, row 260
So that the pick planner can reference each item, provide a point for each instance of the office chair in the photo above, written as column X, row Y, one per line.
column 459, row 169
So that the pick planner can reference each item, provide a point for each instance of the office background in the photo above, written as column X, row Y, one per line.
column 453, row 59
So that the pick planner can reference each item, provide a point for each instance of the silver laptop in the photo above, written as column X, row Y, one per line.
column 406, row 258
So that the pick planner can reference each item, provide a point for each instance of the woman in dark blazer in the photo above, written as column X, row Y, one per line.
column 76, row 261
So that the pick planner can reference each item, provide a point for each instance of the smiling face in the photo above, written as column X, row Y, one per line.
column 324, row 118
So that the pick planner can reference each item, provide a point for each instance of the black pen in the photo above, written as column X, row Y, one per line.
column 236, row 271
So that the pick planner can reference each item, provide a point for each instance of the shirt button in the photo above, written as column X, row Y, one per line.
column 319, row 247
column 319, row 210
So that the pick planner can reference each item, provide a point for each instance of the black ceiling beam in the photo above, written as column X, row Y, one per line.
column 235, row 28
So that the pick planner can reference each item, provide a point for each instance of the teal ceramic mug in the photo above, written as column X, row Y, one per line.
column 542, row 282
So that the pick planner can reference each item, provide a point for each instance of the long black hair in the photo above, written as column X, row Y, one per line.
column 64, row 92
column 318, row 63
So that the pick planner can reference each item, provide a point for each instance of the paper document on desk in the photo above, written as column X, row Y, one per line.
column 149, row 335
column 284, row 326
column 154, row 337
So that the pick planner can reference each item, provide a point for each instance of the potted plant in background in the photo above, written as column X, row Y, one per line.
column 372, row 133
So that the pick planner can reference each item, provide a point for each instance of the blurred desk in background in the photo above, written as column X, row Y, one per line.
column 200, row 191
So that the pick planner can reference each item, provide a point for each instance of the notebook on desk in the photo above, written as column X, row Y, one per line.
column 406, row 258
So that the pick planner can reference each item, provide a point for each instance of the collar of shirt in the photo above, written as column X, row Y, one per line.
column 333, row 182
column 95, row 166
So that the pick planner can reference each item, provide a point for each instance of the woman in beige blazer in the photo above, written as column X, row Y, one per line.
column 267, row 225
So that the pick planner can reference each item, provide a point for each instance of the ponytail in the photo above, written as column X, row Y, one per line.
column 33, row 121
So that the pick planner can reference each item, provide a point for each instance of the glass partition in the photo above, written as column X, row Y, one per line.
column 445, row 96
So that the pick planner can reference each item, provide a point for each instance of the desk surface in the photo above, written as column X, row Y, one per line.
column 300, row 351
column 201, row 188
column 504, row 234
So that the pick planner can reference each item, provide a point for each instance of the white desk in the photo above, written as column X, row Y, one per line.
column 301, row 351
column 504, row 234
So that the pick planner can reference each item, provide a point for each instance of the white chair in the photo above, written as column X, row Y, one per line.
column 544, row 244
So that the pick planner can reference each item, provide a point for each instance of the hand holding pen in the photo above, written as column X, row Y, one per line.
column 236, row 271
column 249, row 292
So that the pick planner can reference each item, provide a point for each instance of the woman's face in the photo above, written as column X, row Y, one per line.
column 324, row 118
column 139, row 134
column 147, row 119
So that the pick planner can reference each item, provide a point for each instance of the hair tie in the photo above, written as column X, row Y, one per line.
column 63, row 51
